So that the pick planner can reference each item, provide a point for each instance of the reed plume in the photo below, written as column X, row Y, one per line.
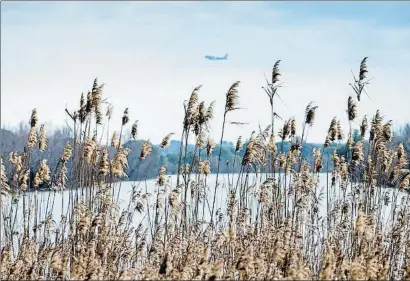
column 286, row 130
column 120, row 163
column 89, row 104
column 204, row 167
column 359, row 84
column 34, row 118
column 4, row 186
column 357, row 153
column 363, row 127
column 200, row 140
column 62, row 177
column 210, row 147
column 239, row 144
column 405, row 183
column 32, row 138
column 42, row 175
column 17, row 163
column 125, row 117
column 166, row 141
column 114, row 139
column 161, row 175
column 23, row 180
column 318, row 160
column 109, row 111
column 272, row 144
column 363, row 69
column 191, row 108
column 376, row 128
column 96, row 99
column 333, row 130
column 387, row 131
column 88, row 150
column 145, row 150
column 310, row 114
column 67, row 152
column 103, row 170
column 340, row 135
column 275, row 72
column 134, row 130
column 42, row 142
column 351, row 109
column 232, row 97
column 209, row 112
column 254, row 153
column 293, row 127
column 82, row 114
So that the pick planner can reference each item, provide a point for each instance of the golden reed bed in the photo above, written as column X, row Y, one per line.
column 268, row 231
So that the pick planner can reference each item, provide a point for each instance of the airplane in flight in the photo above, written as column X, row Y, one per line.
column 217, row 58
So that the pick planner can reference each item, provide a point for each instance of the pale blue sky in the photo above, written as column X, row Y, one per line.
column 151, row 56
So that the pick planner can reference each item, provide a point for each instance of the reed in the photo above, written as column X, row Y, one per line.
column 268, row 226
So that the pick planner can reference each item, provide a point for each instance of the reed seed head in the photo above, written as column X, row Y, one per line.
column 34, row 118
column 109, row 111
column 387, row 131
column 293, row 127
column 4, row 186
column 89, row 104
column 340, row 135
column 82, row 111
column 134, row 130
column 275, row 72
column 351, row 109
column 32, row 138
column 125, row 117
column 191, row 108
column 23, row 180
column 363, row 127
column 114, row 139
column 357, row 154
column 363, row 69
column 232, row 97
column 239, row 144
column 104, row 162
column 161, row 175
column 42, row 175
column 166, row 141
column 145, row 150
column 42, row 143
column 67, row 152
column 310, row 114
column 210, row 147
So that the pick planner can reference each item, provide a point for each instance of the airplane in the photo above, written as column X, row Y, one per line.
column 217, row 58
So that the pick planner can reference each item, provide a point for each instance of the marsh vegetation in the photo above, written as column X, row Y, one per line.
column 269, row 212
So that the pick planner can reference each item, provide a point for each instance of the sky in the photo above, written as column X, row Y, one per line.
column 150, row 55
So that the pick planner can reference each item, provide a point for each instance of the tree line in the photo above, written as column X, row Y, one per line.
column 15, row 141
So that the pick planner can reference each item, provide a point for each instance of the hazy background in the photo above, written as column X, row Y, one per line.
column 151, row 56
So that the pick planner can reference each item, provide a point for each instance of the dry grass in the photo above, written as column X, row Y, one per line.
column 268, row 230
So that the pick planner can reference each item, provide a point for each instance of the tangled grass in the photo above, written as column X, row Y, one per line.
column 271, row 230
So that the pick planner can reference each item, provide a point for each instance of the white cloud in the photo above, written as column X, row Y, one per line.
column 151, row 57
